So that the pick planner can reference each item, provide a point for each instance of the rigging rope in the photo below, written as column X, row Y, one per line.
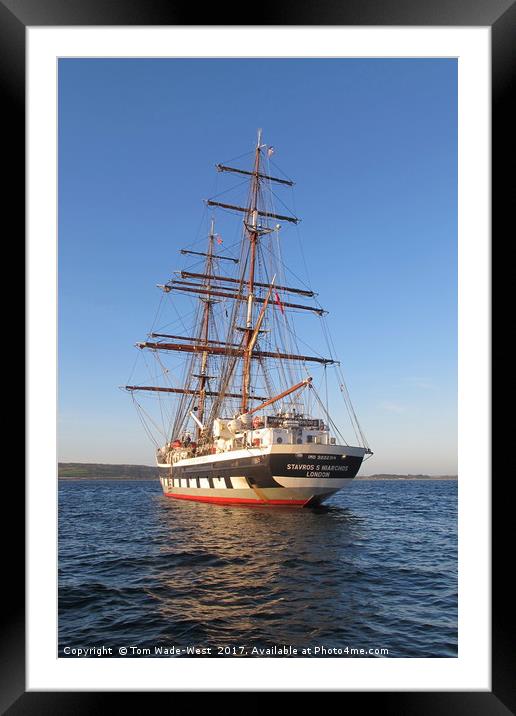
column 278, row 328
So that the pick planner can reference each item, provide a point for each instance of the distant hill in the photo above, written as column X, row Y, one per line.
column 406, row 477
column 100, row 471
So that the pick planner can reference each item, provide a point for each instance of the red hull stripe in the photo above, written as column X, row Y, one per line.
column 235, row 500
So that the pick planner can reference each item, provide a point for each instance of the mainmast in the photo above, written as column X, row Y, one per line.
column 251, row 226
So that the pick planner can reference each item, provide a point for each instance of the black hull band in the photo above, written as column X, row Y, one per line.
column 260, row 471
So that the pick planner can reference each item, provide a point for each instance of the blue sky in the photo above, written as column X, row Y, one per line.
column 372, row 145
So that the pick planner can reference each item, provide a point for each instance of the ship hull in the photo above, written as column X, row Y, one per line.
column 303, row 476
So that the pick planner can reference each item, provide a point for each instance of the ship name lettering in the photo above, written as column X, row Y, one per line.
column 316, row 468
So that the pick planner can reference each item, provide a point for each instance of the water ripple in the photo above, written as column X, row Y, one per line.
column 377, row 567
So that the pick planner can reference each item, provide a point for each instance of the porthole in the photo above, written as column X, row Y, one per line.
column 299, row 441
column 279, row 440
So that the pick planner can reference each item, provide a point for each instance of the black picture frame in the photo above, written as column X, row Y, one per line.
column 500, row 16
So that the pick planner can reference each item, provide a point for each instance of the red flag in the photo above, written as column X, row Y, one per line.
column 219, row 240
column 278, row 302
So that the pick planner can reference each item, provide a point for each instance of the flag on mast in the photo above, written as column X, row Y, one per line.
column 218, row 238
column 278, row 302
column 270, row 151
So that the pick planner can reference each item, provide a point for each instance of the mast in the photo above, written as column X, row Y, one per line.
column 205, row 329
column 251, row 226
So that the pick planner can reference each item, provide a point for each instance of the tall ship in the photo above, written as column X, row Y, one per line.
column 244, row 404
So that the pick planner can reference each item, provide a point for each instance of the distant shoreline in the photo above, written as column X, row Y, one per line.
column 101, row 471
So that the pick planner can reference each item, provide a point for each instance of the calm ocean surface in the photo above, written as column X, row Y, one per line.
column 376, row 568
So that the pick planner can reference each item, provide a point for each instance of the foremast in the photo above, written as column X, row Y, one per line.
column 205, row 334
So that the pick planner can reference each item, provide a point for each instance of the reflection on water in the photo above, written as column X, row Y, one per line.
column 258, row 569
column 375, row 568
